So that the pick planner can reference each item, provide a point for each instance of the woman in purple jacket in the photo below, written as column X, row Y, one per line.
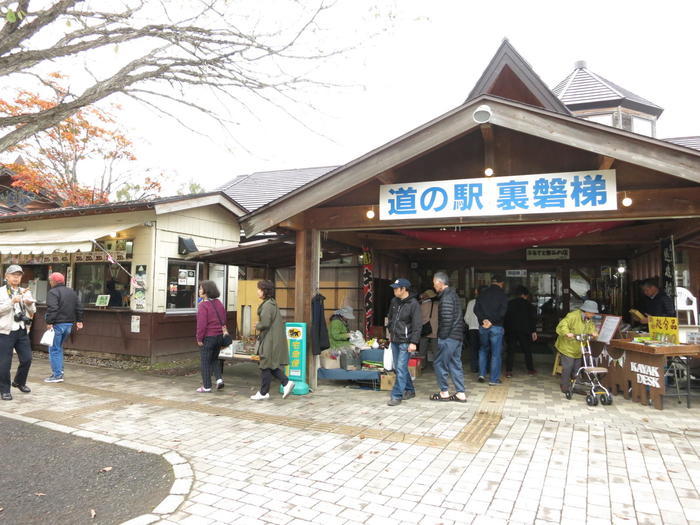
column 211, row 320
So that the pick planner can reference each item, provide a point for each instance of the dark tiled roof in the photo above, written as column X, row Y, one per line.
column 257, row 189
column 688, row 142
column 582, row 86
column 109, row 207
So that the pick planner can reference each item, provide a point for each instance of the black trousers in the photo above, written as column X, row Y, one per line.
column 474, row 344
column 209, row 359
column 266, row 379
column 515, row 340
column 19, row 340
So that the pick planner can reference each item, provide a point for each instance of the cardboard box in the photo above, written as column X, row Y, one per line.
column 387, row 381
column 327, row 362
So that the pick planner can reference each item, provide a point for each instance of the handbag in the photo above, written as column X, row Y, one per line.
column 226, row 339
column 427, row 328
column 47, row 338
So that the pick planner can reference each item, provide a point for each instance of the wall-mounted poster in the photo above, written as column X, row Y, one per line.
column 182, row 277
column 139, row 282
column 191, row 276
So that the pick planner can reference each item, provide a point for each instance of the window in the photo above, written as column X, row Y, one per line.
column 602, row 119
column 183, row 283
column 642, row 126
column 93, row 279
column 218, row 274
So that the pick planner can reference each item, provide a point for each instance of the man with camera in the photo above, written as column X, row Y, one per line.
column 16, row 308
column 63, row 308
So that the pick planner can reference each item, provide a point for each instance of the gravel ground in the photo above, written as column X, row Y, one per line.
column 49, row 477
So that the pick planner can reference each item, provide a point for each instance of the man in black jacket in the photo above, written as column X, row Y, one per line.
column 490, row 310
column 63, row 308
column 404, row 330
column 448, row 361
column 657, row 303
column 521, row 329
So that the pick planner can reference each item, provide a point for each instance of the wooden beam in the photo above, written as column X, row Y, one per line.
column 605, row 162
column 313, row 361
column 295, row 223
column 624, row 146
column 670, row 203
column 388, row 177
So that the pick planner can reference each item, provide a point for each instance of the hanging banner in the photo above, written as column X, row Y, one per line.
column 368, row 289
column 668, row 267
column 517, row 195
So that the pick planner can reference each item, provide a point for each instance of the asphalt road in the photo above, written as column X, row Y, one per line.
column 49, row 477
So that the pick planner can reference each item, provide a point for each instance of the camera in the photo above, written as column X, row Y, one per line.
column 22, row 317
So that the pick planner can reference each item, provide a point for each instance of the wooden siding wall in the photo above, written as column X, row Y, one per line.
column 209, row 227
column 645, row 265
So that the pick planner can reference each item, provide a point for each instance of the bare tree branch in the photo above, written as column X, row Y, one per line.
column 203, row 47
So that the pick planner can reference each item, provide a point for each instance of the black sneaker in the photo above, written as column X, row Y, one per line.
column 393, row 402
column 481, row 379
column 409, row 395
column 495, row 383
column 6, row 396
column 22, row 388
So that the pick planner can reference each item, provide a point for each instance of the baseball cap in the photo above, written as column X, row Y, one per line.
column 14, row 268
column 401, row 283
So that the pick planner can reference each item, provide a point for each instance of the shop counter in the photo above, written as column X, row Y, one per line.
column 638, row 371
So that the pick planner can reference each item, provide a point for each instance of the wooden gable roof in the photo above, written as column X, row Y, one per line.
column 618, row 144
column 508, row 75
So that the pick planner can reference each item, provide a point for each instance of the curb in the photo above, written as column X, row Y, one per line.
column 182, row 470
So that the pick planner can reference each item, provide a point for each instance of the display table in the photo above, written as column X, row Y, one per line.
column 637, row 371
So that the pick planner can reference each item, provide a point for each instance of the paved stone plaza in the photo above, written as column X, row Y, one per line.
column 516, row 453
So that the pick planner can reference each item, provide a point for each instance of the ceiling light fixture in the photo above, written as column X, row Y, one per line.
column 488, row 172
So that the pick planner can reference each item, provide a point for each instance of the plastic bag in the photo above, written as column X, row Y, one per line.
column 47, row 338
column 357, row 340
column 388, row 359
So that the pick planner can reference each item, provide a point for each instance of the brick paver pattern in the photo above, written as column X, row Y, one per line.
column 516, row 453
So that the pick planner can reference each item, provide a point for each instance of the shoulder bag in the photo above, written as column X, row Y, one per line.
column 227, row 340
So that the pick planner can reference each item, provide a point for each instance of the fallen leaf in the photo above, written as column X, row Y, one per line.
column 105, row 469
column 359, row 457
column 93, row 513
column 362, row 436
column 39, row 494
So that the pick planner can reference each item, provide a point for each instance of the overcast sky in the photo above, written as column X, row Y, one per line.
column 426, row 64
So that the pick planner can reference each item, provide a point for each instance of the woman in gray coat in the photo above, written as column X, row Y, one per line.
column 272, row 343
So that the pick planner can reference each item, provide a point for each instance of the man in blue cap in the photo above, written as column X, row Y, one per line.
column 404, row 331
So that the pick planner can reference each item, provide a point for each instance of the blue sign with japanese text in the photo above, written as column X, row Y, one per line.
column 506, row 195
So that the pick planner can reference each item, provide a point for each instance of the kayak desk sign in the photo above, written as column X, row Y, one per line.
column 296, row 370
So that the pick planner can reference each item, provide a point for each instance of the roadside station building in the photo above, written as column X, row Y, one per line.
column 568, row 201
column 135, row 252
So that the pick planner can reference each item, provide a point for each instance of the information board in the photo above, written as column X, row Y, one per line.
column 608, row 328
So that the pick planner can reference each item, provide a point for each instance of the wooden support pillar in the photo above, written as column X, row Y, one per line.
column 306, row 281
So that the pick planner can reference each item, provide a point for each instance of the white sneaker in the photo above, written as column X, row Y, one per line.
column 259, row 397
column 288, row 389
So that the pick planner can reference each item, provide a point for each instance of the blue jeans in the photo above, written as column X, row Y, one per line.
column 403, row 383
column 448, row 362
column 491, row 339
column 60, row 333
